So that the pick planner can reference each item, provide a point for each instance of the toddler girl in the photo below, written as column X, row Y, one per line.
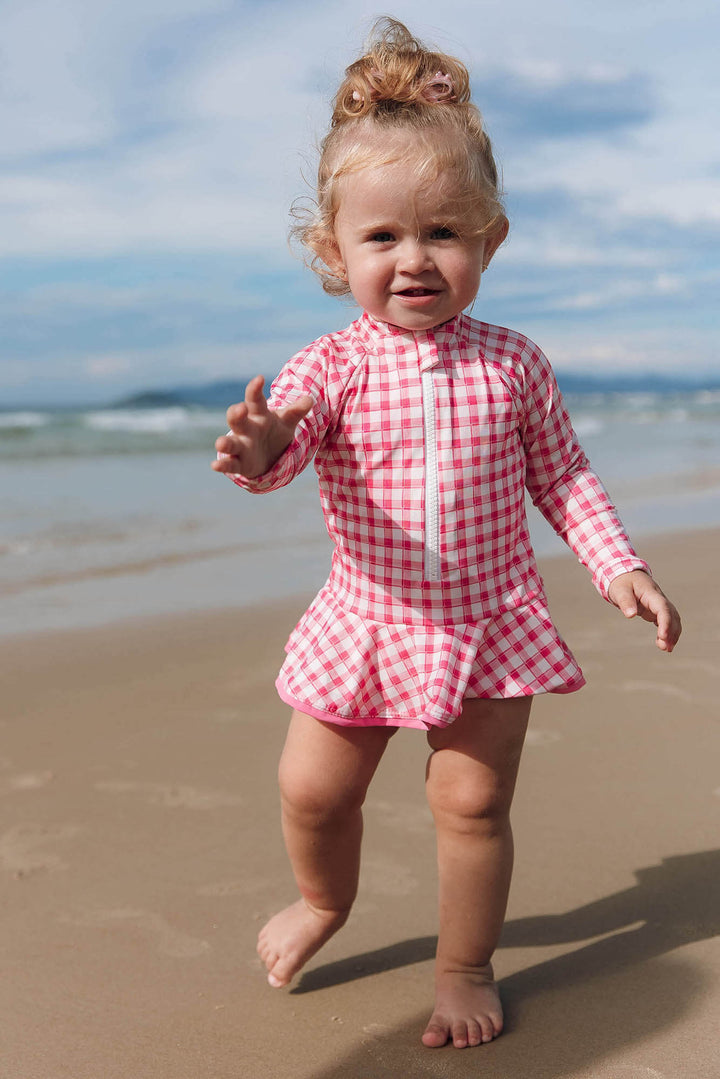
column 426, row 427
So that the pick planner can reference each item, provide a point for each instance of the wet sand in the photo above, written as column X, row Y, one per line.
column 140, row 852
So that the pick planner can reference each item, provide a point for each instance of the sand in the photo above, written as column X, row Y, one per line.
column 140, row 852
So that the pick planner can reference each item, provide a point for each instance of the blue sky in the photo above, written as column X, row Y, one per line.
column 151, row 150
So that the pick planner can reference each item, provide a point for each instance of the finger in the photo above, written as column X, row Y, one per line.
column 236, row 416
column 292, row 414
column 669, row 629
column 654, row 606
column 625, row 601
column 226, row 464
column 663, row 621
column 229, row 444
column 254, row 403
column 254, row 396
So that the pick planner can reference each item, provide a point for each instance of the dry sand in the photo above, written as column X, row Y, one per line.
column 140, row 852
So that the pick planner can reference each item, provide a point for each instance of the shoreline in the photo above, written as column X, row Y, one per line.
column 304, row 560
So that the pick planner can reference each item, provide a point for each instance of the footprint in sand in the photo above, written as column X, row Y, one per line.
column 21, row 848
column 170, row 795
column 167, row 939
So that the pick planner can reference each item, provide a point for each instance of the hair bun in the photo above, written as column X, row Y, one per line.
column 397, row 71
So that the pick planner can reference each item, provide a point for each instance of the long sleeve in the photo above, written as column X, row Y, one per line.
column 564, row 487
column 305, row 373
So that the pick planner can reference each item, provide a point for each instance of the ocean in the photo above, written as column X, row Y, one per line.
column 112, row 513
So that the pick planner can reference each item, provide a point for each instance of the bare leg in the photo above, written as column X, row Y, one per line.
column 470, row 784
column 325, row 771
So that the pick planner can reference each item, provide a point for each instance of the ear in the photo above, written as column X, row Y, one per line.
column 331, row 256
column 493, row 241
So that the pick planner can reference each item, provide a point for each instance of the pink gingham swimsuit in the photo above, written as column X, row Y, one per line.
column 424, row 443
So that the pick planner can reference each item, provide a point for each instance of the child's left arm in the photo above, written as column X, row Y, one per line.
column 636, row 593
column 574, row 501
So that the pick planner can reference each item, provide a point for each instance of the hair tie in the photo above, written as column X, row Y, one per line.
column 438, row 88
column 374, row 93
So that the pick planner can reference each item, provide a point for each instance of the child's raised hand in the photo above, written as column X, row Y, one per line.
column 636, row 593
column 258, row 434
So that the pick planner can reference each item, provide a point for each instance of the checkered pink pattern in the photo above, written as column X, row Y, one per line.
column 381, row 644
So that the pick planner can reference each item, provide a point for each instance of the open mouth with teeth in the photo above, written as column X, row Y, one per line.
column 417, row 292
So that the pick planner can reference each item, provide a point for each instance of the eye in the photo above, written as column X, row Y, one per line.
column 381, row 237
column 443, row 232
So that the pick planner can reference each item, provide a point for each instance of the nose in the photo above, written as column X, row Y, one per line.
column 414, row 257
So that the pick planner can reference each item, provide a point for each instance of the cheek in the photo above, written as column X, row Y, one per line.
column 371, row 273
column 467, row 274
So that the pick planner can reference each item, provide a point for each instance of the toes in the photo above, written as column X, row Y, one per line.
column 268, row 955
column 274, row 976
column 271, row 960
column 280, row 972
column 487, row 1029
column 436, row 1034
column 467, row 1012
column 475, row 1033
column 460, row 1035
column 277, row 977
column 497, row 1025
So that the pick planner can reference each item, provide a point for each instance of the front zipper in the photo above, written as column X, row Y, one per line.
column 432, row 482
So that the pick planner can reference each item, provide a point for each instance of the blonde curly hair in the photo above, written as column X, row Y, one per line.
column 400, row 88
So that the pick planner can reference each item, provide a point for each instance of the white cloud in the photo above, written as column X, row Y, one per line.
column 151, row 127
column 687, row 350
column 681, row 201
column 545, row 250
column 623, row 292
column 240, row 95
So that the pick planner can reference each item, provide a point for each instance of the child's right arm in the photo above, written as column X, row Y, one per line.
column 258, row 435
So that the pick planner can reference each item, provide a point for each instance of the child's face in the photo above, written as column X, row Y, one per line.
column 402, row 263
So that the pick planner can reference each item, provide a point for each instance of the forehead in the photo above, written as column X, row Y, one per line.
column 394, row 190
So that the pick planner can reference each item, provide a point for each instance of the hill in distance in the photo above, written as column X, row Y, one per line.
column 222, row 393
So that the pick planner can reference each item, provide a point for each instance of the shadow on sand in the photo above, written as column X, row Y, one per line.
column 611, row 993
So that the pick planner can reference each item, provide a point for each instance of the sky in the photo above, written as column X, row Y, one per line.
column 151, row 150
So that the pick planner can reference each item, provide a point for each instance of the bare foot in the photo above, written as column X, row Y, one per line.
column 294, row 935
column 467, row 1009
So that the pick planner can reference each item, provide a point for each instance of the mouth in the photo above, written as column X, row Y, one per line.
column 417, row 292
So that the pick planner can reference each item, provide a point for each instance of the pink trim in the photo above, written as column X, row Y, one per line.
column 571, row 687
column 420, row 723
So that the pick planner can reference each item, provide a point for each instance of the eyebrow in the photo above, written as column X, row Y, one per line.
column 375, row 226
